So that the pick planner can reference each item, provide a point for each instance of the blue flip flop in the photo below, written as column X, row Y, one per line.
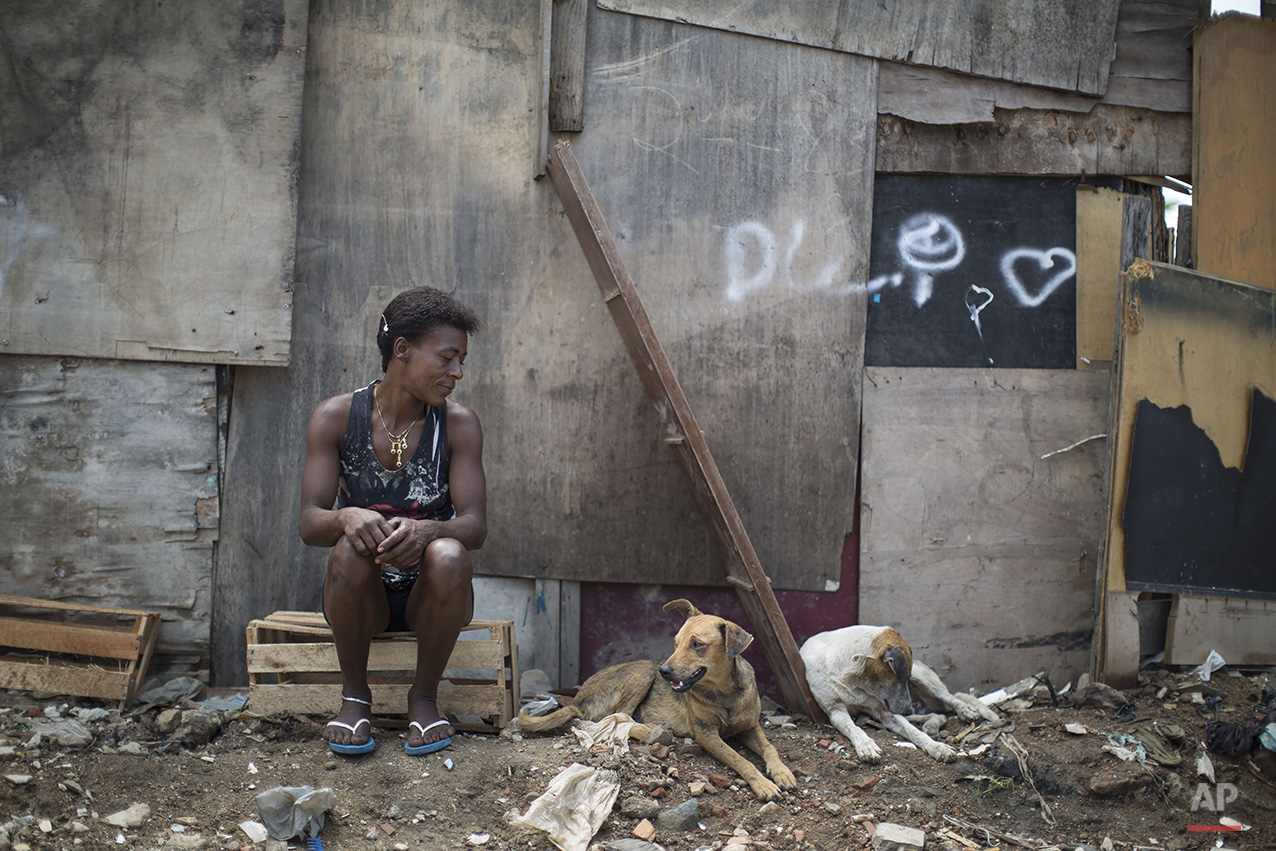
column 350, row 750
column 428, row 747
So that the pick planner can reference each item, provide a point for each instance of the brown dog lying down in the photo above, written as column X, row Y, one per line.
column 705, row 690
column 869, row 670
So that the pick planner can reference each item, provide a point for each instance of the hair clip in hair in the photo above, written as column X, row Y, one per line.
column 385, row 326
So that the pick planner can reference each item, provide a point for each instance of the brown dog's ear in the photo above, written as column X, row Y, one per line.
column 683, row 607
column 735, row 638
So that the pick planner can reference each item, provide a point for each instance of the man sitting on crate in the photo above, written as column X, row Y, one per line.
column 393, row 482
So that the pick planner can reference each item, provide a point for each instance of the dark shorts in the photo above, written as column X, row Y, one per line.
column 397, row 599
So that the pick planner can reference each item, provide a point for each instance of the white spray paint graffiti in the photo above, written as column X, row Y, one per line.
column 977, row 307
column 1045, row 260
column 753, row 238
column 928, row 244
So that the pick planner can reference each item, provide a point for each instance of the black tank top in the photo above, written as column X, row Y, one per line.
column 418, row 489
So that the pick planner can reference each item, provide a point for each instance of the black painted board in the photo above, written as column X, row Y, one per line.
column 1192, row 524
column 973, row 271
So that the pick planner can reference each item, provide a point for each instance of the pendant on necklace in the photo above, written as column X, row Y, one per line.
column 398, row 445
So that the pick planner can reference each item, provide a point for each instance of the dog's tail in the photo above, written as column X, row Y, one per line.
column 553, row 721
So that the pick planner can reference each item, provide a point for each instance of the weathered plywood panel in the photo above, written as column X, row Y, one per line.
column 1185, row 339
column 1239, row 630
column 108, row 475
column 1152, row 69
column 736, row 182
column 1233, row 170
column 1113, row 230
column 147, row 178
column 978, row 549
column 1100, row 212
column 1107, row 140
column 1060, row 45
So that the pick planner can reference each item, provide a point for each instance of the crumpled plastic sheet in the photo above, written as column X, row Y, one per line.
column 1268, row 737
column 574, row 806
column 615, row 730
column 67, row 732
column 1211, row 664
column 170, row 693
column 289, row 811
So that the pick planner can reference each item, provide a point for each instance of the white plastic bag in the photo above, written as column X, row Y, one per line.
column 574, row 806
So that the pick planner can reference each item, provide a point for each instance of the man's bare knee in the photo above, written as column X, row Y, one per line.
column 347, row 566
column 447, row 560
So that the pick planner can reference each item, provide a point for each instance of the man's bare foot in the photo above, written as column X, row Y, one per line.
column 353, row 724
column 426, row 726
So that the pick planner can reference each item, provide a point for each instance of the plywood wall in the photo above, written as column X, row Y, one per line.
column 979, row 536
column 736, row 180
column 108, row 478
column 148, row 178
column 1234, row 173
column 1033, row 41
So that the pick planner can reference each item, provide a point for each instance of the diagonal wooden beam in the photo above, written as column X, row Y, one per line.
column 743, row 570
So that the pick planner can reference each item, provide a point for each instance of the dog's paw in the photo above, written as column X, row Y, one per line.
column 970, row 708
column 764, row 788
column 784, row 777
column 868, row 752
column 940, row 752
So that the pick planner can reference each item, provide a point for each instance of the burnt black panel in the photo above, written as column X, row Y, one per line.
column 1191, row 524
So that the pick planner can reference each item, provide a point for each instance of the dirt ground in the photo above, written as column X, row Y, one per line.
column 1073, row 793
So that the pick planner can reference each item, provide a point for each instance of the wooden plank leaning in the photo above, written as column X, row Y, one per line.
column 682, row 434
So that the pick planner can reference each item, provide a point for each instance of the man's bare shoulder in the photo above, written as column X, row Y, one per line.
column 462, row 420
column 332, row 414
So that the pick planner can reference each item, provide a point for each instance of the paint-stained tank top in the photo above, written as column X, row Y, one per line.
column 418, row 489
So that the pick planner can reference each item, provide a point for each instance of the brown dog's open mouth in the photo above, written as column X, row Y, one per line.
column 682, row 685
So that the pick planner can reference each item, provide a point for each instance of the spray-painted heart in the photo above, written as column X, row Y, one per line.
column 1061, row 258
column 976, row 309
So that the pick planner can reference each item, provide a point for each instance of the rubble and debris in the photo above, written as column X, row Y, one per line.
column 134, row 816
column 896, row 837
column 680, row 819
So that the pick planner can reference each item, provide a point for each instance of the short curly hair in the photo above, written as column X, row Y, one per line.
column 415, row 312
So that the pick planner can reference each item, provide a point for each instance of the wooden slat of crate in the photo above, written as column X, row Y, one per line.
column 75, row 678
column 124, row 651
column 387, row 655
column 296, row 648
column 68, row 638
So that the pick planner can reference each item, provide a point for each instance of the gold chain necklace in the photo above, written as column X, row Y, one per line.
column 398, row 442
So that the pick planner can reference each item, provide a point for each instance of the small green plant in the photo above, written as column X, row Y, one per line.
column 987, row 784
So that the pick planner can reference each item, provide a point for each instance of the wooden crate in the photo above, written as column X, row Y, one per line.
column 292, row 668
column 82, row 650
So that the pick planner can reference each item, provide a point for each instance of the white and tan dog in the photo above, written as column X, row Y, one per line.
column 869, row 670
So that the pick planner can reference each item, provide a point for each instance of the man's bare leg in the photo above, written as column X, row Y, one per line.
column 440, row 604
column 354, row 603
